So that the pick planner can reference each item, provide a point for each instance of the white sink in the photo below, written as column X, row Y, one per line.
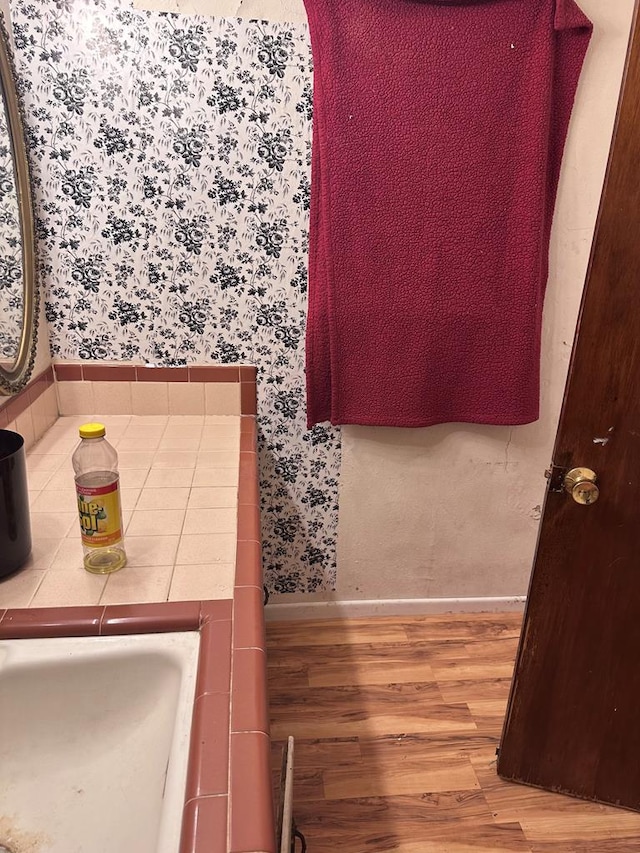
column 94, row 741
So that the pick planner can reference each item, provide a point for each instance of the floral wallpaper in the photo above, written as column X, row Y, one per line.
column 11, row 300
column 171, row 168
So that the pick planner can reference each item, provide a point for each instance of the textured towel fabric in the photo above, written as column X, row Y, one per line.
column 438, row 136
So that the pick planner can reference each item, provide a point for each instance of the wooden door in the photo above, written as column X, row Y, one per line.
column 573, row 719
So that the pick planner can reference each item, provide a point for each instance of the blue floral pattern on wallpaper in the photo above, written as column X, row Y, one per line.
column 171, row 168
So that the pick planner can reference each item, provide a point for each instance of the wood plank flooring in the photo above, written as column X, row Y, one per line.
column 396, row 724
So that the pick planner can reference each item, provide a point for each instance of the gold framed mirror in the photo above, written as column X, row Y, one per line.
column 19, row 299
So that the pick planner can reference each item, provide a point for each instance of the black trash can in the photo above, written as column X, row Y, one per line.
column 15, row 523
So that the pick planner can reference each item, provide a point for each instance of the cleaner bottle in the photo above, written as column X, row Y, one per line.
column 95, row 463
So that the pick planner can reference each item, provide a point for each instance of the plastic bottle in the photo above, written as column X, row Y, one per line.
column 95, row 463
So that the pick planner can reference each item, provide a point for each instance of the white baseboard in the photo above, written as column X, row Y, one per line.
column 279, row 611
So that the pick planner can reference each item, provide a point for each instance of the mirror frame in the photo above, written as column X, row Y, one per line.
column 15, row 379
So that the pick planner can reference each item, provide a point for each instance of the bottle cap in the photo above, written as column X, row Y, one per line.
column 92, row 431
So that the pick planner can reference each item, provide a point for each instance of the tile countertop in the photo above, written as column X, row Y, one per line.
column 192, row 535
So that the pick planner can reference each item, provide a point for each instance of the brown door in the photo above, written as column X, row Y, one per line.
column 573, row 719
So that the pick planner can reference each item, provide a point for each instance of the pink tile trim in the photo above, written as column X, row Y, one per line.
column 208, row 771
column 248, row 398
column 248, row 425
column 248, row 373
column 248, row 489
column 20, row 402
column 205, row 815
column 248, row 521
column 247, row 442
column 251, row 819
column 68, row 372
column 51, row 622
column 151, row 618
column 17, row 404
column 249, row 698
column 221, row 373
column 214, row 665
column 162, row 374
column 249, row 564
column 248, row 622
column 212, row 611
column 108, row 373
column 204, row 825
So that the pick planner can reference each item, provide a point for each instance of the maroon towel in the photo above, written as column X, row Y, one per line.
column 438, row 135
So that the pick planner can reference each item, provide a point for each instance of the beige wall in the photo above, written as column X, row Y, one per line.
column 452, row 511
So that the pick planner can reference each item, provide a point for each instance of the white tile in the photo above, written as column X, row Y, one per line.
column 135, row 459
column 212, row 497
column 186, row 398
column 149, row 398
column 222, row 420
column 52, row 525
column 75, row 398
column 116, row 425
column 38, row 479
column 220, row 520
column 57, row 442
column 165, row 478
column 133, row 478
column 156, row 521
column 68, row 425
column 112, row 398
column 176, row 498
column 186, row 419
column 177, row 429
column 42, row 552
column 56, row 501
column 175, row 459
column 151, row 550
column 129, row 498
column 221, row 443
column 222, row 398
column 207, row 548
column 223, row 477
column 137, row 584
column 46, row 461
column 150, row 442
column 179, row 443
column 137, row 429
column 206, row 581
column 41, row 421
column 69, row 555
column 231, row 426
column 217, row 459
column 61, row 480
column 148, row 420
column 51, row 404
column 69, row 588
column 19, row 589
column 24, row 426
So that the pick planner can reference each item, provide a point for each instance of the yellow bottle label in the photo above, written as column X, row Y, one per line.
column 100, row 516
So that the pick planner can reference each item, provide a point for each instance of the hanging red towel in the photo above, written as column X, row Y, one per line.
column 438, row 136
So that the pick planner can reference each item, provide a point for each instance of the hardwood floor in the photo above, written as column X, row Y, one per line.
column 396, row 723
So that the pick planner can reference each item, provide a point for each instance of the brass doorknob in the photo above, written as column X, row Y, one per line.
column 581, row 485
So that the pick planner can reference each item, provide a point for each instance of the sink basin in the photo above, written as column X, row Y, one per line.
column 94, row 741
